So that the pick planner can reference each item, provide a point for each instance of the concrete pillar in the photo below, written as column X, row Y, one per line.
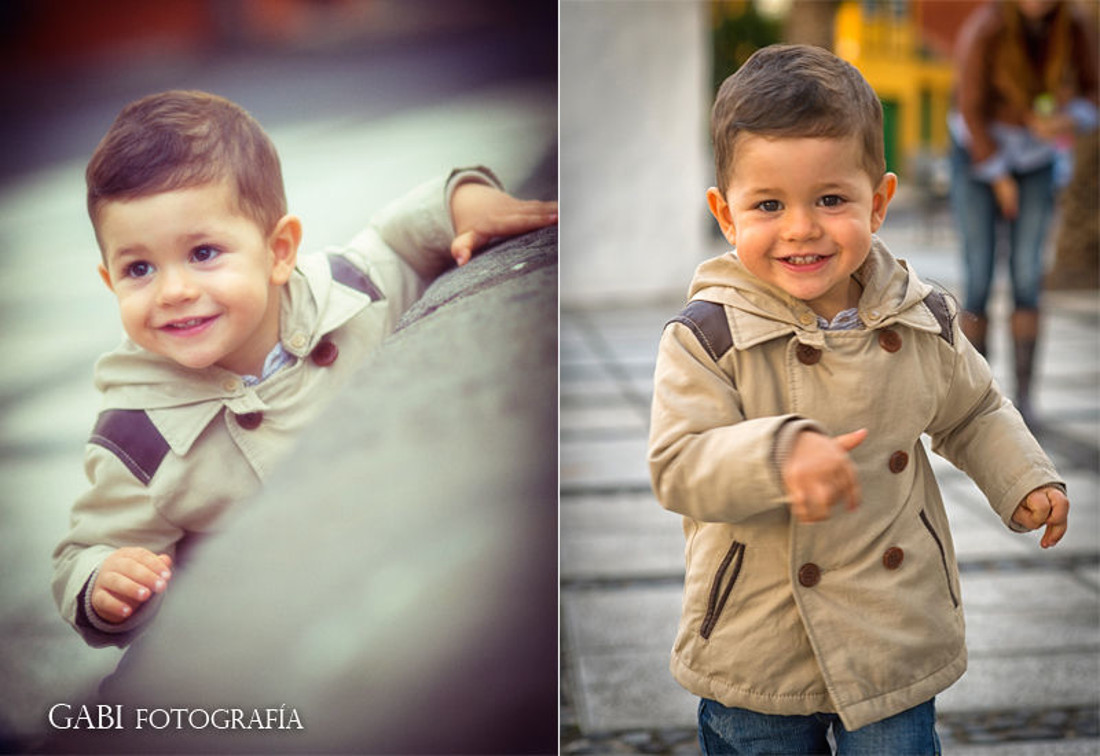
column 635, row 158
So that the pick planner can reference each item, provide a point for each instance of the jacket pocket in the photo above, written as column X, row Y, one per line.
column 720, row 588
column 943, row 556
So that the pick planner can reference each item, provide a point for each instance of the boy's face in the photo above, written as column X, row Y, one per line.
column 196, row 280
column 800, row 212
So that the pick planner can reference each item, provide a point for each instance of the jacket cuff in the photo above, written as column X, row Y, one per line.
column 784, row 441
column 90, row 623
column 477, row 174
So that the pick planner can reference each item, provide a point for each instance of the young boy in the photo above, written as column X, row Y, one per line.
column 800, row 378
column 234, row 341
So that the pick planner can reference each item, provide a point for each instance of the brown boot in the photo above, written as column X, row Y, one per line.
column 974, row 327
column 1025, row 334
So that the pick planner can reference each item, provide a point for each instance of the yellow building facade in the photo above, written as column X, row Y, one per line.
column 882, row 39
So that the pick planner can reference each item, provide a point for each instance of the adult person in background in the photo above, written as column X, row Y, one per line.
column 1026, row 81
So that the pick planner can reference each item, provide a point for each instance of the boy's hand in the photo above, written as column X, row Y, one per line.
column 481, row 213
column 1044, row 506
column 127, row 579
column 819, row 474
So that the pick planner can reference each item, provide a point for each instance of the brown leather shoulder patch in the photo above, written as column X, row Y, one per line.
column 133, row 438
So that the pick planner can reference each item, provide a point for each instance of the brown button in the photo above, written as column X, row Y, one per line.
column 324, row 354
column 807, row 354
column 898, row 461
column 893, row 557
column 889, row 340
column 809, row 575
column 250, row 420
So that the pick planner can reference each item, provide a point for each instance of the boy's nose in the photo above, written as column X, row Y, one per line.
column 799, row 224
column 175, row 285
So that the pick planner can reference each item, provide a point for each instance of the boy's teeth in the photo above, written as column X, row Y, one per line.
column 804, row 259
column 187, row 323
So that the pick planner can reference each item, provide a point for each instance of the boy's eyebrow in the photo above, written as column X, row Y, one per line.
column 761, row 191
column 834, row 184
column 136, row 250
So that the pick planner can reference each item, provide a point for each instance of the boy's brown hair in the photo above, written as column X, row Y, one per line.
column 796, row 91
column 181, row 139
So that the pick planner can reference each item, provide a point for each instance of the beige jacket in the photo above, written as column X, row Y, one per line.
column 859, row 614
column 174, row 449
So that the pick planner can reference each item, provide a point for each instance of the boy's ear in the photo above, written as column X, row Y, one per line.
column 283, row 243
column 720, row 209
column 884, row 192
column 106, row 276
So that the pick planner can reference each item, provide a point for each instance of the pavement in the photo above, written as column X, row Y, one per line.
column 1033, row 616
column 354, row 129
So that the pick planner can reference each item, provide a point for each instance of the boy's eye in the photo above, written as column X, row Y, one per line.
column 832, row 200
column 139, row 269
column 769, row 206
column 204, row 253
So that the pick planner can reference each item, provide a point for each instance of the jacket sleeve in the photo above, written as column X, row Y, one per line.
column 116, row 511
column 979, row 431
column 408, row 243
column 706, row 460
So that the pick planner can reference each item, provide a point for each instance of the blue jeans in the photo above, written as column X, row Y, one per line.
column 724, row 730
column 976, row 216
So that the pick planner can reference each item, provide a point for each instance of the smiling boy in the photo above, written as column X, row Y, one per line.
column 234, row 343
column 799, row 378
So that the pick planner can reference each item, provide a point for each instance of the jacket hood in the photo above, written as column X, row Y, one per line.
column 759, row 312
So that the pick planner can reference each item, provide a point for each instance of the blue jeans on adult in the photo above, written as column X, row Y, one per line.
column 976, row 215
column 725, row 730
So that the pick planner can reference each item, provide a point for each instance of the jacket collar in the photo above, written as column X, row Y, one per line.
column 181, row 402
column 760, row 312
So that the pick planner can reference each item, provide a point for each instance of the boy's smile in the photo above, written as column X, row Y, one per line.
column 800, row 212
column 196, row 280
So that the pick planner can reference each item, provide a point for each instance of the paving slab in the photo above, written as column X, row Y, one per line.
column 621, row 536
column 618, row 651
column 612, row 413
column 1007, row 632
column 1025, row 682
column 610, row 464
column 1074, row 747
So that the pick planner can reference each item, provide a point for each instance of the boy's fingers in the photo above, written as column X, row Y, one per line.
column 1053, row 534
column 849, row 441
column 1057, row 520
column 145, row 558
column 154, row 566
column 123, row 587
column 853, row 493
column 110, row 607
column 139, row 572
column 463, row 246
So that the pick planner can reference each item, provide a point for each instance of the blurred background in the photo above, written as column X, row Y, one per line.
column 636, row 86
column 364, row 99
column 642, row 77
